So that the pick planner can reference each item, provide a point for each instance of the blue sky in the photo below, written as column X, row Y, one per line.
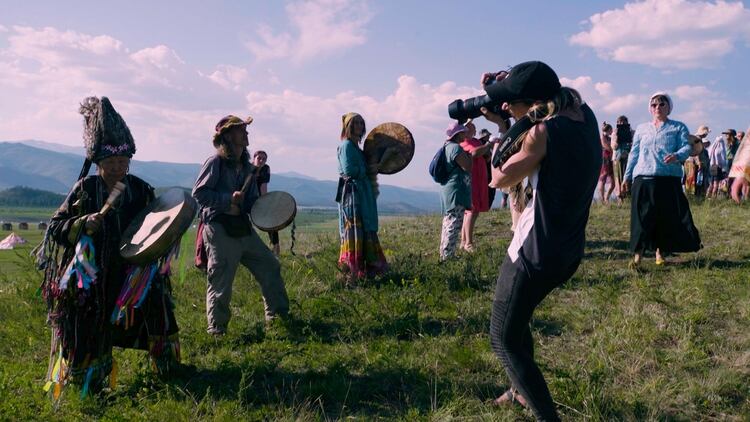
column 173, row 69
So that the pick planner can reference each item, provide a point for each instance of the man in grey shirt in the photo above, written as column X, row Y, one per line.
column 225, row 191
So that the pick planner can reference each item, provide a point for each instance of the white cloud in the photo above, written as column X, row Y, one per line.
column 71, row 61
column 171, row 108
column 603, row 88
column 421, row 107
column 45, row 73
column 159, row 65
column 54, row 47
column 3, row 28
column 313, row 123
column 700, row 104
column 693, row 104
column 667, row 33
column 693, row 92
column 602, row 98
column 624, row 103
column 271, row 46
column 321, row 27
column 160, row 57
column 273, row 78
column 228, row 76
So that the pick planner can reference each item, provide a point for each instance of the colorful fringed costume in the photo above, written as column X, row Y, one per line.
column 95, row 299
column 361, row 255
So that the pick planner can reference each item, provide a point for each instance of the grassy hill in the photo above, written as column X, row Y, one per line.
column 20, row 196
column 665, row 343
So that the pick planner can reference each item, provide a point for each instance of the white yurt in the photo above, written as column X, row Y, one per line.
column 11, row 241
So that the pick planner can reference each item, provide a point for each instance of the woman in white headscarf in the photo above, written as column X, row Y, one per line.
column 660, row 218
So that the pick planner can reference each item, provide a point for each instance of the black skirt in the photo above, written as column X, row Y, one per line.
column 660, row 217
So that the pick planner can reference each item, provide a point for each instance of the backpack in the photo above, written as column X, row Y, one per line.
column 439, row 167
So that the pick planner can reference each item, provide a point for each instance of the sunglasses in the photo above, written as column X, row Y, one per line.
column 654, row 105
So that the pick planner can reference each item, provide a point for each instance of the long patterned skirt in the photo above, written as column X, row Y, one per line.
column 360, row 255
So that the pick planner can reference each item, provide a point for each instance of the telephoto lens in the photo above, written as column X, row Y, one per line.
column 470, row 108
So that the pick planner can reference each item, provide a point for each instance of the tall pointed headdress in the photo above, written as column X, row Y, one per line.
column 105, row 133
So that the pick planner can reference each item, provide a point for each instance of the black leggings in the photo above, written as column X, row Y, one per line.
column 516, row 296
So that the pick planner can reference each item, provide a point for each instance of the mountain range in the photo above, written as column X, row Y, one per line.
column 53, row 167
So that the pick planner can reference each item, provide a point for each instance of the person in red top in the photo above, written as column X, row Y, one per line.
column 607, row 171
column 480, row 201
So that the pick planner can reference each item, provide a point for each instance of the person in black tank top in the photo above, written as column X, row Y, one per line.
column 561, row 157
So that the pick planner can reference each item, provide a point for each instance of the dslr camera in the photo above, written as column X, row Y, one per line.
column 470, row 108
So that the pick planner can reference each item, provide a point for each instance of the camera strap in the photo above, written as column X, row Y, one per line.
column 511, row 139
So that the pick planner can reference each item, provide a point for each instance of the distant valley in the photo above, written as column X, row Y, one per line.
column 54, row 168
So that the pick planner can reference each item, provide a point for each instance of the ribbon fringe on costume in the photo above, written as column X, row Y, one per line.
column 82, row 271
column 138, row 282
column 164, row 352
column 91, row 374
column 82, row 266
column 56, row 375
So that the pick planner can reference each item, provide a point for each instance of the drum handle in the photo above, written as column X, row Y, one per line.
column 247, row 183
column 116, row 191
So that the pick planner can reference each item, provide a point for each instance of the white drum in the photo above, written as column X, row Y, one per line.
column 273, row 211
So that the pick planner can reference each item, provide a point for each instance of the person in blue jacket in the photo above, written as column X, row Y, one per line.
column 660, row 218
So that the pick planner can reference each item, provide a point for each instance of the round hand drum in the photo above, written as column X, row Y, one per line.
column 158, row 226
column 696, row 145
column 273, row 211
column 390, row 146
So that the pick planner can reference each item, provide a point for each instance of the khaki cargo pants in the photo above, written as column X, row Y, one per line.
column 225, row 253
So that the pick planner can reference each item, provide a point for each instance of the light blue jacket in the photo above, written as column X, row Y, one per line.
column 651, row 145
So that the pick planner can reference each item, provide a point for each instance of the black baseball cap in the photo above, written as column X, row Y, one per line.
column 528, row 80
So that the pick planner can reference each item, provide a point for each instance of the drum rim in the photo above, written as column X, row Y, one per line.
column 282, row 225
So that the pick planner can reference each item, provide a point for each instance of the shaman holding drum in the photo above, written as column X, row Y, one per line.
column 85, row 276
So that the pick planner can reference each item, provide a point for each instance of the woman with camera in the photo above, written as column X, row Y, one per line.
column 560, row 155
column 660, row 218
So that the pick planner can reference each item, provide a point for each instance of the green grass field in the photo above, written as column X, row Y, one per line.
column 666, row 343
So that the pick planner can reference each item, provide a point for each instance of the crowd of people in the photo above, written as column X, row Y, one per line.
column 548, row 181
column 705, row 172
